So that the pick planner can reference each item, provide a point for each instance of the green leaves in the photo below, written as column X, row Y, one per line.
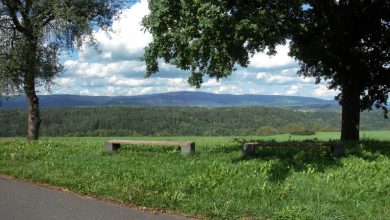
column 209, row 38
column 333, row 41
column 32, row 35
column 31, row 43
column 341, row 41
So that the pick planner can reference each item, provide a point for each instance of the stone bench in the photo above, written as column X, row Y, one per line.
column 185, row 147
column 336, row 148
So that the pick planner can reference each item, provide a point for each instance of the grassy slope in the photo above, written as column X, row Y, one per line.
column 216, row 182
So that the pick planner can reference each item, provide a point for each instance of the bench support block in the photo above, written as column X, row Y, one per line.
column 338, row 150
column 110, row 147
column 187, row 149
column 249, row 149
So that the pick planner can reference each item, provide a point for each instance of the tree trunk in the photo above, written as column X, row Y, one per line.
column 350, row 120
column 34, row 120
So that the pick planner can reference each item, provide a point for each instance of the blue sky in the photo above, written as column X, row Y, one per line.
column 117, row 70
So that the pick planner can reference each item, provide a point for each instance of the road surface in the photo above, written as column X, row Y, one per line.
column 20, row 200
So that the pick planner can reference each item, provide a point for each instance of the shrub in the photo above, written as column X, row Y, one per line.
column 304, row 132
column 267, row 131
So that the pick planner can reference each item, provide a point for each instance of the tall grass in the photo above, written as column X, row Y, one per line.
column 217, row 181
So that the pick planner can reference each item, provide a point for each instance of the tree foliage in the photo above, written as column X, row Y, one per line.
column 341, row 41
column 345, row 43
column 52, row 27
column 34, row 33
column 210, row 37
column 179, row 121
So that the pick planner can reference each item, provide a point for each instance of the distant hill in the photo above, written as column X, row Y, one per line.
column 175, row 99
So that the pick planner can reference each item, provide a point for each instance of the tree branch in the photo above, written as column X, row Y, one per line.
column 12, row 12
column 46, row 20
column 24, row 11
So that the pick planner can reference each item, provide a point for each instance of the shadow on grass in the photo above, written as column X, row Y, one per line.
column 148, row 149
column 369, row 149
column 226, row 149
column 286, row 160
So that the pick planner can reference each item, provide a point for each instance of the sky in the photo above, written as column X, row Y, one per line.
column 118, row 71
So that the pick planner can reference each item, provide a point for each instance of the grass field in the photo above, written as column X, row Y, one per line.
column 218, row 181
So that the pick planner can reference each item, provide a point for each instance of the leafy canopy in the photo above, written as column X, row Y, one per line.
column 336, row 41
column 33, row 33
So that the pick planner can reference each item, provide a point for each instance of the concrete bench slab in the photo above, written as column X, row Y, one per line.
column 185, row 146
column 336, row 148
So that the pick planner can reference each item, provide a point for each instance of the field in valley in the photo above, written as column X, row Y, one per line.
column 217, row 181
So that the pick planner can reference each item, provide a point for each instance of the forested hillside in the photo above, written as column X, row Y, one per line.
column 178, row 99
column 178, row 121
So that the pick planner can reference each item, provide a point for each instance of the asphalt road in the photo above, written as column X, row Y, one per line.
column 20, row 200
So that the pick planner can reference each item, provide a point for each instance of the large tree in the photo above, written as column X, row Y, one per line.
column 33, row 33
column 346, row 43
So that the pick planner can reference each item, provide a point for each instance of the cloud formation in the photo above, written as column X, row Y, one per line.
column 281, row 59
column 116, row 68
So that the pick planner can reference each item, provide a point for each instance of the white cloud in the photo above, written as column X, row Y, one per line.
column 128, row 82
column 307, row 80
column 323, row 91
column 88, row 92
column 127, row 41
column 64, row 81
column 211, row 83
column 262, row 60
column 293, row 90
column 229, row 89
column 255, row 91
column 273, row 78
column 117, row 70
column 178, row 89
column 93, row 70
column 175, row 82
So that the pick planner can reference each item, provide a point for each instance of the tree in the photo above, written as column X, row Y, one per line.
column 345, row 43
column 32, row 36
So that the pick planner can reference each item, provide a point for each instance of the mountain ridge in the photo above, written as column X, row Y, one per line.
column 178, row 99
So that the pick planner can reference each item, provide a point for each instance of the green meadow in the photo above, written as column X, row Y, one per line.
column 217, row 182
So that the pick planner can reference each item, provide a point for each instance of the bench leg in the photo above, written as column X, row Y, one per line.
column 112, row 147
column 249, row 149
column 338, row 150
column 187, row 149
